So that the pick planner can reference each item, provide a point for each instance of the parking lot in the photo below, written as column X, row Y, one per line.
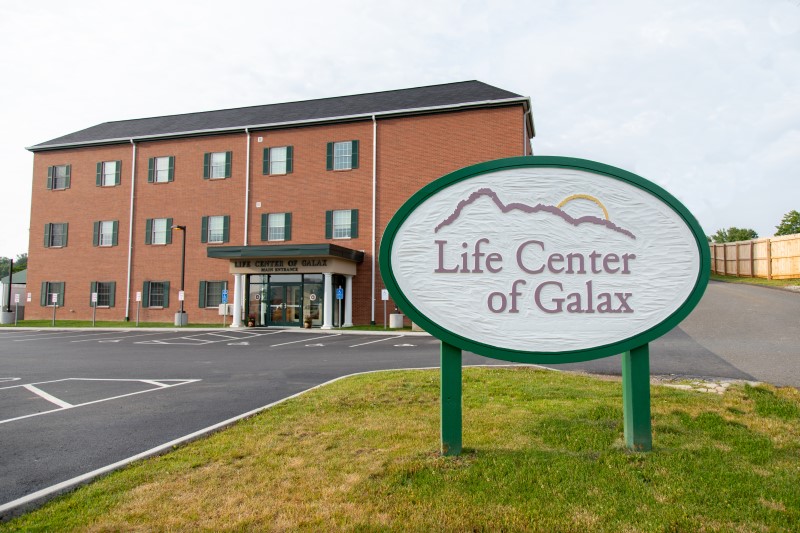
column 74, row 401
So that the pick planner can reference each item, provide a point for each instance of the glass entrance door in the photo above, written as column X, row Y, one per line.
column 285, row 305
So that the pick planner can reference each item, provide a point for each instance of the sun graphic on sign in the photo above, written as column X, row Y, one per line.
column 588, row 197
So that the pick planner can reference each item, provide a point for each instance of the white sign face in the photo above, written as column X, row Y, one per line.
column 29, row 297
column 16, row 298
column 94, row 297
column 54, row 298
column 138, row 296
column 545, row 259
column 384, row 295
column 181, row 295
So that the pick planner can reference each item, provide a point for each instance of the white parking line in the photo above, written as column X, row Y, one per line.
column 305, row 340
column 70, row 406
column 49, row 397
column 125, row 337
column 66, row 337
column 379, row 340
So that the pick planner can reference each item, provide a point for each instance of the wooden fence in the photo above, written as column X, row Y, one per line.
column 771, row 258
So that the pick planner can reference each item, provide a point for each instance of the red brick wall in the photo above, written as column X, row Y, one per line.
column 412, row 151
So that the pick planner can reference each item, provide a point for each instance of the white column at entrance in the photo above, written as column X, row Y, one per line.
column 327, row 314
column 237, row 301
column 348, row 302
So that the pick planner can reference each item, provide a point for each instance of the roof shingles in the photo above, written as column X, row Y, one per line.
column 451, row 94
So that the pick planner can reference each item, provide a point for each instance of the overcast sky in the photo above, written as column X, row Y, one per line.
column 701, row 97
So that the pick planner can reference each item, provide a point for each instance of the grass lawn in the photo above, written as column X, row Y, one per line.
column 756, row 281
column 543, row 452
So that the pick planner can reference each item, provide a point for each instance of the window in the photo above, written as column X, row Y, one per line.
column 58, row 177
column 155, row 294
column 48, row 289
column 215, row 230
column 342, row 155
column 105, row 233
column 105, row 293
column 108, row 173
column 278, row 160
column 341, row 224
column 161, row 169
column 158, row 231
column 276, row 227
column 55, row 235
column 211, row 293
column 217, row 165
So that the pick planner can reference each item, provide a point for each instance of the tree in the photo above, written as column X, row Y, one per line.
column 20, row 263
column 734, row 234
column 790, row 224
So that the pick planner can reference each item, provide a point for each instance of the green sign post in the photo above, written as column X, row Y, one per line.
column 545, row 260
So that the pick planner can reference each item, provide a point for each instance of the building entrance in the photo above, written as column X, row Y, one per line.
column 285, row 299
column 285, row 305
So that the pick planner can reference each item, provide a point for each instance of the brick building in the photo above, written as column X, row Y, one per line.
column 279, row 204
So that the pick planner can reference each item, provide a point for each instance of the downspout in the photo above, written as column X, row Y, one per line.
column 247, row 188
column 374, row 200
column 130, row 235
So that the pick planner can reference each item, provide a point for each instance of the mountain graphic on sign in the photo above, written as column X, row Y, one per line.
column 538, row 208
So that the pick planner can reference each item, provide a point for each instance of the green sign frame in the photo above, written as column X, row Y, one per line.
column 430, row 325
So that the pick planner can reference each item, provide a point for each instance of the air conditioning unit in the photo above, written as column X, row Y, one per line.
column 225, row 309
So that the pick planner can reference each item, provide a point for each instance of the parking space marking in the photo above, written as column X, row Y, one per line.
column 159, row 384
column 4, row 380
column 306, row 340
column 143, row 334
column 194, row 341
column 379, row 340
column 68, row 336
column 49, row 397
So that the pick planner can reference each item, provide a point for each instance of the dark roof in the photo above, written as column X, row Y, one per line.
column 284, row 250
column 399, row 101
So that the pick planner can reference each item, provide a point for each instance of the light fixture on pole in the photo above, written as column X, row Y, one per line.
column 181, row 320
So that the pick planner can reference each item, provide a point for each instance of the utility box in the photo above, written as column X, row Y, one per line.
column 396, row 321
column 225, row 309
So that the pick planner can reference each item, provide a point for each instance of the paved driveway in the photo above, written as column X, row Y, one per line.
column 75, row 401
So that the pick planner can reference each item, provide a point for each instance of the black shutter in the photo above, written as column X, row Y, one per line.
column 114, row 233
column 354, row 223
column 151, row 170
column 354, row 155
column 148, row 231
column 287, row 231
column 289, row 159
column 228, row 159
column 226, row 228
column 98, row 180
column 264, row 227
column 169, row 231
column 328, row 224
column 329, row 157
column 49, row 178
column 202, row 294
column 118, row 174
column 265, row 164
column 96, row 234
column 206, row 165
column 171, row 168
column 146, row 294
column 47, row 235
column 204, row 229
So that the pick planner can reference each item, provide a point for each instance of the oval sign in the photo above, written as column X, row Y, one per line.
column 544, row 259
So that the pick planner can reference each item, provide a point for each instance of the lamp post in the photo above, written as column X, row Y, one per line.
column 183, row 269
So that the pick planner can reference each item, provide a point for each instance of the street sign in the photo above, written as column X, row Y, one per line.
column 138, row 296
column 340, row 294
column 224, row 296
column 29, row 297
column 94, row 297
column 54, row 298
column 384, row 294
column 181, row 296
column 16, row 298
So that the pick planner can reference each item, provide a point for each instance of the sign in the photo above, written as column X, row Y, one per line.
column 224, row 296
column 94, row 297
column 545, row 260
column 54, row 297
column 29, row 298
column 181, row 296
column 312, row 297
column 293, row 265
column 138, row 296
column 16, row 298
column 340, row 294
column 384, row 294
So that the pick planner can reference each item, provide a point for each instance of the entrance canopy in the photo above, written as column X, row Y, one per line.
column 289, row 258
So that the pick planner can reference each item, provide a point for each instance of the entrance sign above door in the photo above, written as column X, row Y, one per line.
column 545, row 259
